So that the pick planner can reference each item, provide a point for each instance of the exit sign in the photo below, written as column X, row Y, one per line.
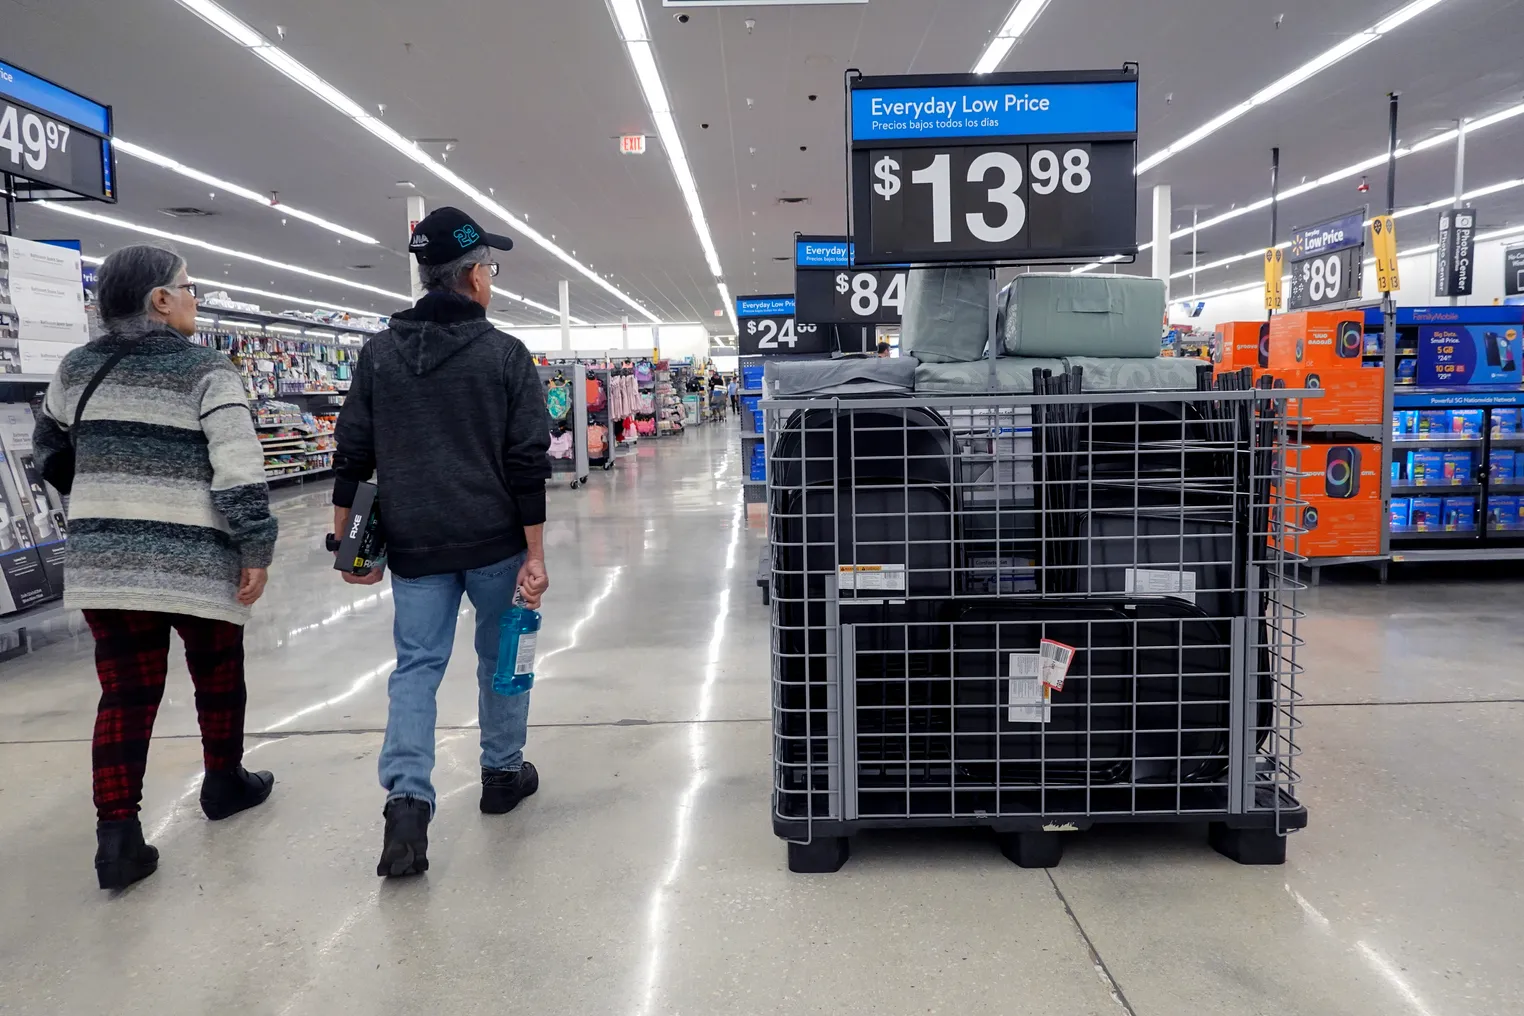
column 632, row 144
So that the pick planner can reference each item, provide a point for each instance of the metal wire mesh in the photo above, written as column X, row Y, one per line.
column 923, row 549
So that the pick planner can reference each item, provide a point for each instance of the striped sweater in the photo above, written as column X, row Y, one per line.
column 169, row 501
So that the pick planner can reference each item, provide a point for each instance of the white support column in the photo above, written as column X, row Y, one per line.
column 415, row 214
column 1163, row 213
column 565, row 290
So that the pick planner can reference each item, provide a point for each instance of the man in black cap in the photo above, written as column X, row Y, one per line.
column 449, row 415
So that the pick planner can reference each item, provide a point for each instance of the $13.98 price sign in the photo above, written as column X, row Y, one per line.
column 768, row 328
column 991, row 168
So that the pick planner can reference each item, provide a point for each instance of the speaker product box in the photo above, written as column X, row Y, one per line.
column 1240, row 344
column 1341, row 486
column 1426, row 514
column 1323, row 349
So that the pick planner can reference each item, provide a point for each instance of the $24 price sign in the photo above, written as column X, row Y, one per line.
column 768, row 328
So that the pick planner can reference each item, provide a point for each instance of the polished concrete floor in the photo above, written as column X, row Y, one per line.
column 644, row 878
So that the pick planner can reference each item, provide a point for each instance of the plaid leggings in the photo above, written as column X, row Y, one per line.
column 131, row 659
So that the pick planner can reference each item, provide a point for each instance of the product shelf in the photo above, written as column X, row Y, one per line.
column 1436, row 488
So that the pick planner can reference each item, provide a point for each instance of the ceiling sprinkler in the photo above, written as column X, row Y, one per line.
column 750, row 24
column 280, row 30
column 1364, row 187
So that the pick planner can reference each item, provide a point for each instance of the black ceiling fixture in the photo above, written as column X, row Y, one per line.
column 793, row 201
column 814, row 97
column 804, row 148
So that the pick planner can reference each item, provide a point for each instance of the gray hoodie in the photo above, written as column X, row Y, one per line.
column 449, row 415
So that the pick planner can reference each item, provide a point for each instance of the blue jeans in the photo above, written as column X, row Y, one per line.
column 424, row 630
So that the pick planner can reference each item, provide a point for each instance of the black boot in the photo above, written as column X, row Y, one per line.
column 227, row 792
column 503, row 789
column 405, row 851
column 121, row 856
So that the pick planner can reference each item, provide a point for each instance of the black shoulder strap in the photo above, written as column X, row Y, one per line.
column 95, row 382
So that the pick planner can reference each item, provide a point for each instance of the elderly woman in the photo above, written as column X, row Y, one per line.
column 169, row 528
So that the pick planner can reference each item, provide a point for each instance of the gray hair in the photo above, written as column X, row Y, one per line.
column 447, row 276
column 126, row 284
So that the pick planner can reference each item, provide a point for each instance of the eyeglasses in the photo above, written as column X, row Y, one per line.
column 492, row 266
column 189, row 287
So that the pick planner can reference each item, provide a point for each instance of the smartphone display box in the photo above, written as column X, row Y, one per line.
column 1401, row 515
column 1466, row 422
column 1459, row 514
column 1405, row 423
column 1426, row 468
column 1426, row 515
column 1503, row 512
column 1505, row 421
column 1433, row 423
column 1457, row 468
column 1500, row 468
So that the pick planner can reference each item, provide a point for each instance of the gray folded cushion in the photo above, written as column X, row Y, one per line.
column 947, row 314
column 1048, row 314
column 1013, row 374
column 847, row 376
column 1136, row 374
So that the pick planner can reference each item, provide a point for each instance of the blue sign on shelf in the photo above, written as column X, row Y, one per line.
column 54, row 100
column 1503, row 315
column 816, row 253
column 1327, row 237
column 764, row 306
column 995, row 111
column 1469, row 355
column 1457, row 399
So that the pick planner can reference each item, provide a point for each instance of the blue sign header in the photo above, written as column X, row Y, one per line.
column 1501, row 315
column 764, row 306
column 823, row 253
column 1014, row 111
column 1328, row 237
column 1429, row 400
column 46, row 97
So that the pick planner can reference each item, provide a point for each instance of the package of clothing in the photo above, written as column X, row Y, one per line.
column 561, row 445
column 1058, row 314
column 597, row 440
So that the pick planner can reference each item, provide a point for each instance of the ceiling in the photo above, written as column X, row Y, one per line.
column 533, row 94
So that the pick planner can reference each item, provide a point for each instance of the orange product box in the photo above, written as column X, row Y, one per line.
column 1341, row 485
column 1240, row 344
column 1325, row 350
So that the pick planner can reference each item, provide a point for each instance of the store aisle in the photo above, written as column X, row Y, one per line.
column 644, row 879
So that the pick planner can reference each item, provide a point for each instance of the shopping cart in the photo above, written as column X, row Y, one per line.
column 933, row 558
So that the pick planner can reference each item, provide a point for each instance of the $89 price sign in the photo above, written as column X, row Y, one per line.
column 1327, row 278
column 994, row 202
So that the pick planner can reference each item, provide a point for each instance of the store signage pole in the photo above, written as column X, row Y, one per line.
column 415, row 214
column 1274, row 257
column 564, row 291
column 1460, row 189
column 1163, row 213
column 10, row 204
column 1389, row 327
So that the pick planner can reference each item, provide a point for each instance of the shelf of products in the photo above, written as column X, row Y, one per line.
column 274, row 363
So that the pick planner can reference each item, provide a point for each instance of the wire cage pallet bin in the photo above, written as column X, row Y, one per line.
column 1034, row 613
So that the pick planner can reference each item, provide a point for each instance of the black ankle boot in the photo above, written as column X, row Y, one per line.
column 227, row 792
column 405, row 850
column 503, row 789
column 121, row 856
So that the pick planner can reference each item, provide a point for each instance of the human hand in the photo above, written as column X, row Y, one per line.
column 370, row 578
column 251, row 585
column 533, row 582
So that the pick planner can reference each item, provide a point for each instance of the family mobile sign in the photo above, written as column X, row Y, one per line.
column 54, row 137
column 994, row 167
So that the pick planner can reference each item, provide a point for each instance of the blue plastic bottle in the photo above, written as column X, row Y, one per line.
column 519, row 632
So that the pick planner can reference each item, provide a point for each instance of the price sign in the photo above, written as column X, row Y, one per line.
column 992, row 168
column 831, row 291
column 768, row 328
column 54, row 137
column 1327, row 262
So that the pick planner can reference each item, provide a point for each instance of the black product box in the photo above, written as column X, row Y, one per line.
column 362, row 546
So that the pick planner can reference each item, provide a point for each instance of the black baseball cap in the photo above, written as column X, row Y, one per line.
column 448, row 233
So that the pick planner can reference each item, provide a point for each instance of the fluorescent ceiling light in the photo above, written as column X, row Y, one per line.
column 629, row 20
column 180, row 238
column 1016, row 25
column 228, row 187
column 1280, row 86
column 219, row 18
